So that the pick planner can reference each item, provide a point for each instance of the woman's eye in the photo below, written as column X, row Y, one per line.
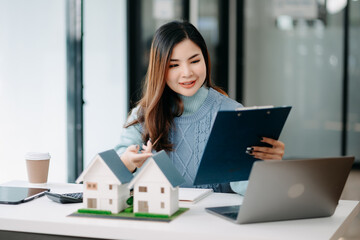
column 173, row 65
column 196, row 61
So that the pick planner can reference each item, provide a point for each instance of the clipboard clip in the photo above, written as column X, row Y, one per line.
column 253, row 107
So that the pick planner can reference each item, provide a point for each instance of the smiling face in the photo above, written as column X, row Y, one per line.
column 186, row 69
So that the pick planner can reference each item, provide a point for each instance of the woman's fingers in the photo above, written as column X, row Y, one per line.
column 273, row 142
column 149, row 145
column 139, row 158
column 269, row 150
column 133, row 159
column 147, row 148
column 266, row 156
column 275, row 152
column 133, row 148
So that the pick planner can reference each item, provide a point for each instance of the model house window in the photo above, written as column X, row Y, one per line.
column 110, row 187
column 142, row 189
column 162, row 190
column 110, row 201
column 162, row 204
column 91, row 186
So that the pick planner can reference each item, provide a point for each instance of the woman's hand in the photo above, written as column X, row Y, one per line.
column 147, row 148
column 276, row 152
column 132, row 159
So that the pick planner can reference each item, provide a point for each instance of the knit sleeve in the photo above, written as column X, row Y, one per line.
column 130, row 135
column 228, row 104
column 239, row 187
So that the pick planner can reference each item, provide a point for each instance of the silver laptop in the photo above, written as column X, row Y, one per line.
column 290, row 189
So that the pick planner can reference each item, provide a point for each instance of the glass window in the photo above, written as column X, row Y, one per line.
column 297, row 61
column 151, row 15
column 32, row 86
column 105, row 75
column 208, row 25
column 353, row 136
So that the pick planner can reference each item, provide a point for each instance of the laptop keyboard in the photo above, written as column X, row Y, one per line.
column 232, row 215
column 226, row 211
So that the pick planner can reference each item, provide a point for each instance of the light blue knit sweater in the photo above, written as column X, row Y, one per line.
column 189, row 135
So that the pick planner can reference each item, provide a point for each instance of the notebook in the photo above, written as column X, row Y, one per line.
column 193, row 195
column 225, row 158
column 290, row 189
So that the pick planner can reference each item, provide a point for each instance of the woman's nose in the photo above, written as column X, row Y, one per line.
column 187, row 71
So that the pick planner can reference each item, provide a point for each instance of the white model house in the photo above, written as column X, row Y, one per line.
column 106, row 182
column 156, row 186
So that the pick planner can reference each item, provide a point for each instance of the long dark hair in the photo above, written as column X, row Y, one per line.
column 159, row 104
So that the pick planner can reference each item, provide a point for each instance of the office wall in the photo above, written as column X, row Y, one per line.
column 32, row 85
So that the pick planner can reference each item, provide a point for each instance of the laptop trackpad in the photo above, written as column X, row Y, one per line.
column 226, row 211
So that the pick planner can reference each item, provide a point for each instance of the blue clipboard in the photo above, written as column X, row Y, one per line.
column 224, row 158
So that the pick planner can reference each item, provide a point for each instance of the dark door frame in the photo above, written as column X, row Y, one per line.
column 74, row 55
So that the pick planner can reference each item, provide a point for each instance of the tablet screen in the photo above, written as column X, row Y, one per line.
column 15, row 195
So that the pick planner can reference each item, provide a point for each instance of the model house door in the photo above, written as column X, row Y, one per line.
column 143, row 206
column 92, row 203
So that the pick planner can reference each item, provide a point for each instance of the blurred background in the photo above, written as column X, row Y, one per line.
column 70, row 70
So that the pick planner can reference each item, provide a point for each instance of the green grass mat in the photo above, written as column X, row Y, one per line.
column 126, row 215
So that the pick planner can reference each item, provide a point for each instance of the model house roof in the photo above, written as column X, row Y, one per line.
column 112, row 160
column 162, row 160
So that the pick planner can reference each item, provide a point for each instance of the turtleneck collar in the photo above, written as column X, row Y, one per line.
column 193, row 103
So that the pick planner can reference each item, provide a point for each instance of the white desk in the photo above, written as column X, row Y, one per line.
column 46, row 217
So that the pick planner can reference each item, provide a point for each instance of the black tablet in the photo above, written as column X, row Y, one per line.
column 16, row 195
column 225, row 158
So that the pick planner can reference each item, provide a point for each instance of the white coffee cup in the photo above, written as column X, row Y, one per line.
column 37, row 164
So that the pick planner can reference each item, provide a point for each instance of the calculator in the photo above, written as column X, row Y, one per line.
column 65, row 197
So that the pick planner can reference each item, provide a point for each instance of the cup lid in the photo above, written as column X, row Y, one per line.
column 37, row 156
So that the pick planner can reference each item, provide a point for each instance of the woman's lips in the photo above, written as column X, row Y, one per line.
column 188, row 84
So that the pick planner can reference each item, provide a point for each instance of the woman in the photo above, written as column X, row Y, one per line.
column 179, row 106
